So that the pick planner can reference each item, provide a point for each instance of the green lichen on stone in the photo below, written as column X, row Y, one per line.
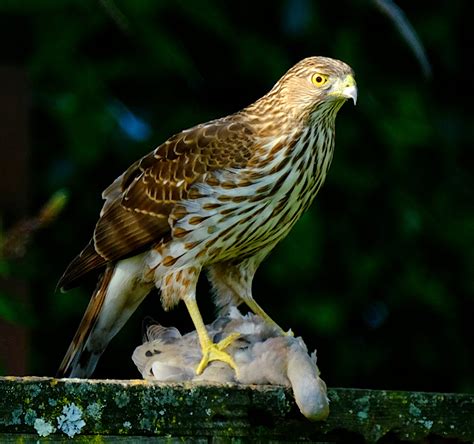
column 43, row 428
column 362, row 406
column 94, row 411
column 33, row 390
column 86, row 408
column 427, row 423
column 30, row 417
column 414, row 410
column 71, row 422
column 121, row 399
column 16, row 415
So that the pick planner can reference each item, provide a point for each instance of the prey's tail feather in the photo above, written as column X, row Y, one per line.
column 119, row 292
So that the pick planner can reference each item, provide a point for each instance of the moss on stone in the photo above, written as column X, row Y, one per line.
column 57, row 409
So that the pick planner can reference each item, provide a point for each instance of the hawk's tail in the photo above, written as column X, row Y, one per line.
column 119, row 292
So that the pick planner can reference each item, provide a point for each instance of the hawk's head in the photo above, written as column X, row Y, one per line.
column 316, row 83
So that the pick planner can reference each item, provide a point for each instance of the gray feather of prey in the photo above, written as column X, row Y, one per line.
column 262, row 354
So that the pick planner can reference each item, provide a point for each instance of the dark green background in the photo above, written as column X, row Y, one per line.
column 377, row 275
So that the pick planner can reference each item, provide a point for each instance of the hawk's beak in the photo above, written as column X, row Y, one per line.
column 345, row 88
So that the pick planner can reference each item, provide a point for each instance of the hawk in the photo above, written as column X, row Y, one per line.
column 217, row 198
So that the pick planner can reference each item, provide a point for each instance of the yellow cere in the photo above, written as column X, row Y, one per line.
column 319, row 79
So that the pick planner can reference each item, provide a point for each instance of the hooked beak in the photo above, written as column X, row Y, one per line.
column 345, row 88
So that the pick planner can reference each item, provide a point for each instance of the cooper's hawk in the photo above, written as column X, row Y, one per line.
column 218, row 197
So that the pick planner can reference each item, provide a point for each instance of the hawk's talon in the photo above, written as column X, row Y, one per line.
column 215, row 352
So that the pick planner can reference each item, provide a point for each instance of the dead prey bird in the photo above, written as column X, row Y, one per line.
column 262, row 354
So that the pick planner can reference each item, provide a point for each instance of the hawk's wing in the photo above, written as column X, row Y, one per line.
column 139, row 202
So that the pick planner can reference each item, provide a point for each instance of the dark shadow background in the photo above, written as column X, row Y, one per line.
column 377, row 275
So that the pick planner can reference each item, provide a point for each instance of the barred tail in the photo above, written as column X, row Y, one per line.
column 119, row 292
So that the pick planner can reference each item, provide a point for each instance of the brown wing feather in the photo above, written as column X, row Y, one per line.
column 138, row 203
column 87, row 260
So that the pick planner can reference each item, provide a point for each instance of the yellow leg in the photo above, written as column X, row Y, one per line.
column 210, row 351
column 253, row 305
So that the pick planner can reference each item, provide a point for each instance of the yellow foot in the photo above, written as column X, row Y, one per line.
column 215, row 352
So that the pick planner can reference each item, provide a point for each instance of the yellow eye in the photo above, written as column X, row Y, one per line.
column 319, row 79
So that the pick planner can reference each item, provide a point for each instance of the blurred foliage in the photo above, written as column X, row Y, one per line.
column 377, row 275
column 14, row 245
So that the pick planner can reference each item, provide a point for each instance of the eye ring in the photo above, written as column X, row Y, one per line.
column 319, row 79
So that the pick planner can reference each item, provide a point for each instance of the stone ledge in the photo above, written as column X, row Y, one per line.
column 57, row 409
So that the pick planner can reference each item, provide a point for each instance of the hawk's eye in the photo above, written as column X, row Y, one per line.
column 319, row 79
